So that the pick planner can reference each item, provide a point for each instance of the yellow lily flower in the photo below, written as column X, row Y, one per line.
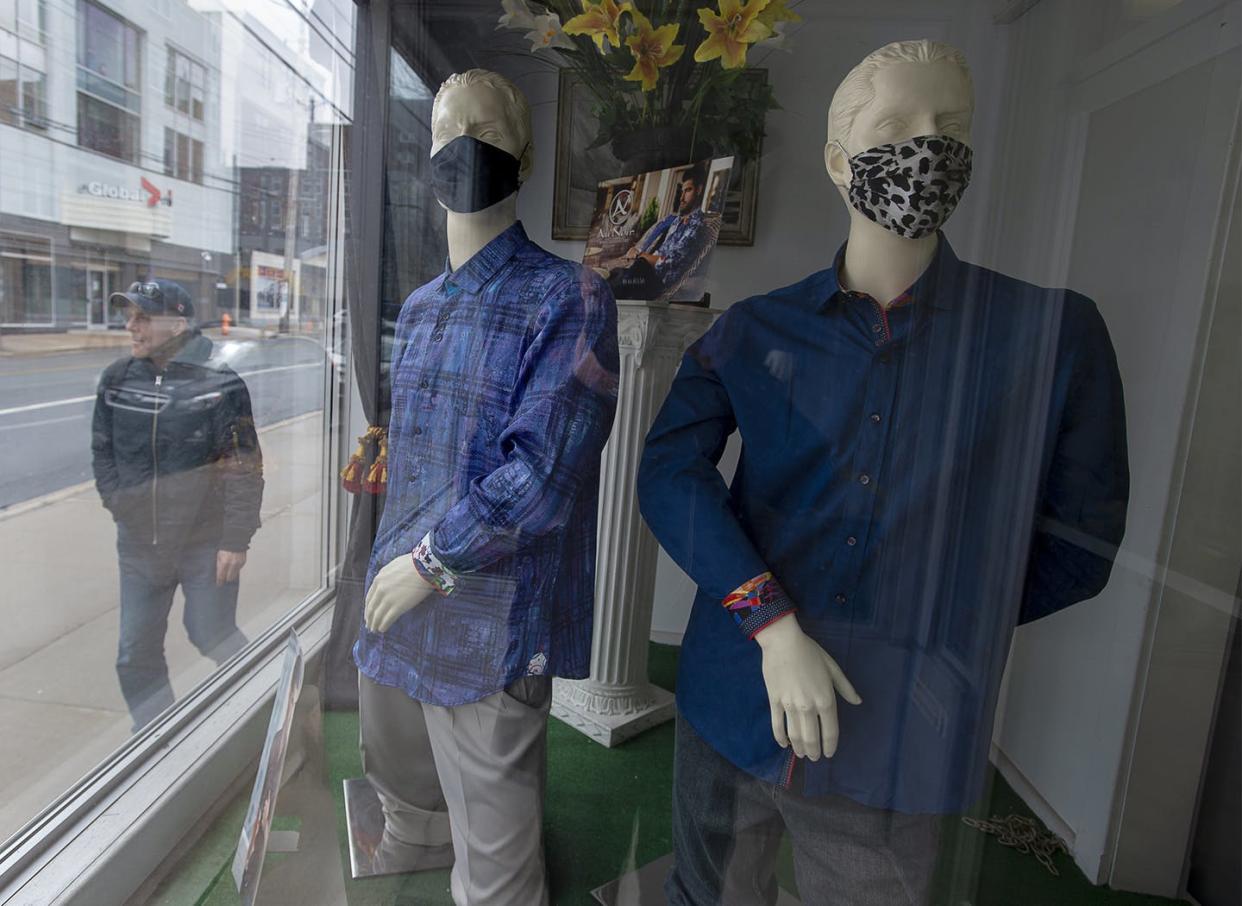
column 599, row 20
column 731, row 31
column 653, row 48
column 776, row 11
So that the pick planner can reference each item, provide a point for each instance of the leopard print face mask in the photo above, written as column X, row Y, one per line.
column 910, row 187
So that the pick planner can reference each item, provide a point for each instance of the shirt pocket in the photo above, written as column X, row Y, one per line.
column 475, row 437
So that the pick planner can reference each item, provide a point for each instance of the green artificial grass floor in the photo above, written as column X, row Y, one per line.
column 608, row 811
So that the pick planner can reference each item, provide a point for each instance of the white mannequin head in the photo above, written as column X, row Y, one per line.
column 487, row 106
column 902, row 90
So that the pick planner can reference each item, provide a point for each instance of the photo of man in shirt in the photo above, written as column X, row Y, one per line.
column 671, row 249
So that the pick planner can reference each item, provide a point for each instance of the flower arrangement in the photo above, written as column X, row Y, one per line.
column 633, row 58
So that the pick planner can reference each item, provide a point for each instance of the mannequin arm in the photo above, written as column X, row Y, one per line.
column 681, row 493
column 1082, row 514
column 688, row 506
column 567, row 396
column 803, row 683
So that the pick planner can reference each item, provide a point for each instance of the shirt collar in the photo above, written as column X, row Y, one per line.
column 484, row 264
column 935, row 286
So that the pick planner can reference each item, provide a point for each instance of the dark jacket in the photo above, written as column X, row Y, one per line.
column 175, row 453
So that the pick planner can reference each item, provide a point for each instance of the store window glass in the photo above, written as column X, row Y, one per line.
column 172, row 381
column 797, row 443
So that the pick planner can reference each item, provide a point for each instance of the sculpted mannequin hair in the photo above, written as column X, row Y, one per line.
column 519, row 109
column 856, row 90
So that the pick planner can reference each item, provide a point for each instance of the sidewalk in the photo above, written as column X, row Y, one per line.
column 34, row 344
column 61, row 710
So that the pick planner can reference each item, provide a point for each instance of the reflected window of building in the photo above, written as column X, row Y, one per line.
column 109, row 82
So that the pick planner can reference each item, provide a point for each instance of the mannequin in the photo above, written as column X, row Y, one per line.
column 932, row 453
column 911, row 99
column 485, row 115
column 504, row 383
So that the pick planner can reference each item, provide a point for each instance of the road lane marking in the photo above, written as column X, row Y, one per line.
column 36, row 406
column 33, row 407
column 46, row 421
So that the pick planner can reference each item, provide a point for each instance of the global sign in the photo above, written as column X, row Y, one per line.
column 148, row 194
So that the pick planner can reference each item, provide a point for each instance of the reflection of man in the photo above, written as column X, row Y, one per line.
column 177, row 463
column 667, row 252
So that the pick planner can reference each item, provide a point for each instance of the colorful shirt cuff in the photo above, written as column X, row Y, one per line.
column 758, row 603
column 430, row 568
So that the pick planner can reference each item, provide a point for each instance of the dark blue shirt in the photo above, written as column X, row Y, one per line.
column 504, row 386
column 918, row 479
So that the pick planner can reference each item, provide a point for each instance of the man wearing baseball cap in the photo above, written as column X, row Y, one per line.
column 177, row 463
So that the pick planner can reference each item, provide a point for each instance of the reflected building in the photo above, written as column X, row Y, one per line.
column 127, row 153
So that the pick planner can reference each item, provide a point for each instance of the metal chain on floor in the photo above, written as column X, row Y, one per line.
column 1025, row 835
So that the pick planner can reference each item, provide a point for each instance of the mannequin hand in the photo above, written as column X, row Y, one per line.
column 803, row 683
column 398, row 587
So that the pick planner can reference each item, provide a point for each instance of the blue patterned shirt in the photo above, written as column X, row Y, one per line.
column 914, row 481
column 677, row 243
column 504, row 386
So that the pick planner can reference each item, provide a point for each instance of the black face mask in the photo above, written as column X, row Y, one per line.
column 468, row 175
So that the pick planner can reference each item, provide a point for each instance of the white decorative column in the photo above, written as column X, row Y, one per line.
column 618, row 702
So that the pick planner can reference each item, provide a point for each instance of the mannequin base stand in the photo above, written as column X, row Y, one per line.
column 364, row 819
column 610, row 714
column 645, row 887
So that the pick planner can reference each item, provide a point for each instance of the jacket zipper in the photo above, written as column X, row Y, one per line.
column 155, row 466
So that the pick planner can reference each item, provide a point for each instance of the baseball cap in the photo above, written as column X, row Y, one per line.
column 157, row 297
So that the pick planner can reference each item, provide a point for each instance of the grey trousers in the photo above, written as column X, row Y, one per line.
column 474, row 774
column 727, row 828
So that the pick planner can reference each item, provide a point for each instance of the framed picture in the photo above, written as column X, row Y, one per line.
column 580, row 170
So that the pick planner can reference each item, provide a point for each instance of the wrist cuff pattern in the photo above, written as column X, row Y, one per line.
column 429, row 566
column 758, row 603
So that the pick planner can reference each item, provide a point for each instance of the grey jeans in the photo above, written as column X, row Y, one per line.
column 474, row 774
column 727, row 828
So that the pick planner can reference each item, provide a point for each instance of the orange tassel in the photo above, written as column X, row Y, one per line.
column 377, row 475
column 351, row 475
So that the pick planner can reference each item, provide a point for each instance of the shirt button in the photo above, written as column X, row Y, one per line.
column 864, row 478
column 437, row 336
column 886, row 358
column 876, row 328
column 840, row 599
column 851, row 540
column 875, row 417
column 424, row 383
column 418, row 430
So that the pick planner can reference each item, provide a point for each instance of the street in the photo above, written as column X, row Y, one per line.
column 46, row 404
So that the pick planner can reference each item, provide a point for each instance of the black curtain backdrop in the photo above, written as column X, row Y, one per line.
column 364, row 176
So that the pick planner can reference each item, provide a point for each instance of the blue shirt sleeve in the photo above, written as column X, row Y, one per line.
column 653, row 235
column 681, row 250
column 681, row 493
column 566, row 399
column 1082, row 511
